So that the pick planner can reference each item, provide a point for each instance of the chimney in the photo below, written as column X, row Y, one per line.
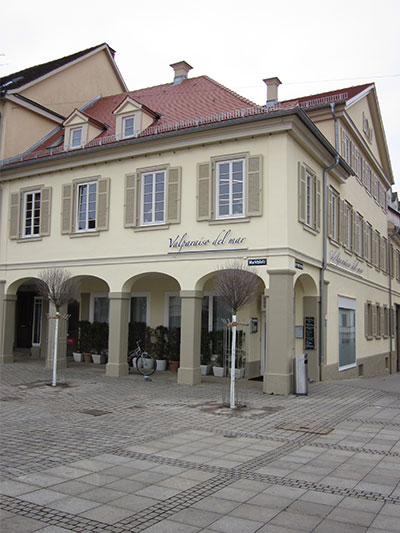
column 272, row 90
column 181, row 70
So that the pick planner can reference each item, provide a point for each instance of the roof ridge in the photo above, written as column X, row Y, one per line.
column 315, row 95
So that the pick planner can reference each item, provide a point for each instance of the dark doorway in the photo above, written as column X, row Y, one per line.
column 24, row 318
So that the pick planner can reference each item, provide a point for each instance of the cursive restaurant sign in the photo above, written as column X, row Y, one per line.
column 338, row 260
column 225, row 239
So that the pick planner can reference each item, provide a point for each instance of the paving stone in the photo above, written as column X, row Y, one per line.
column 230, row 524
column 19, row 524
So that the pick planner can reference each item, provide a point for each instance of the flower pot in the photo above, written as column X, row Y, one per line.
column 87, row 358
column 78, row 357
column 239, row 373
column 99, row 359
column 219, row 371
column 205, row 369
column 174, row 365
column 161, row 364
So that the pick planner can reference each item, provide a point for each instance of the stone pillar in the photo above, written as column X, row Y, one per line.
column 278, row 378
column 189, row 372
column 8, row 304
column 62, row 337
column 118, row 334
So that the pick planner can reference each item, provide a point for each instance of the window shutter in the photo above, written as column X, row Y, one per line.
column 342, row 223
column 15, row 203
column 103, row 200
column 318, row 207
column 343, row 144
column 254, row 186
column 364, row 239
column 330, row 209
column 174, row 195
column 373, row 332
column 67, row 203
column 302, row 193
column 366, row 320
column 203, row 191
column 130, row 201
column 45, row 211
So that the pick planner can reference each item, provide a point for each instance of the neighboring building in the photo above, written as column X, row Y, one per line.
column 36, row 100
column 144, row 195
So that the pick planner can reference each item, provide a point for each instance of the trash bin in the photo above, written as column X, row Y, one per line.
column 301, row 374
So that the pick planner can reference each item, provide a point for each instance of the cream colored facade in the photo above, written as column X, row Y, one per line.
column 48, row 99
column 285, row 158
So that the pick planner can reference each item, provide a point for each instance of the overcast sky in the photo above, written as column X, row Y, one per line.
column 311, row 45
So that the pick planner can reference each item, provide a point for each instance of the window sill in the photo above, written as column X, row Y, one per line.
column 84, row 234
column 151, row 228
column 347, row 367
column 228, row 221
column 334, row 242
column 310, row 229
column 347, row 251
column 29, row 239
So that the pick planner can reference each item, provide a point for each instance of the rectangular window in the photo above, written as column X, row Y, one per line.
column 101, row 307
column 368, row 242
column 369, row 321
column 128, row 125
column 348, row 226
column 309, row 200
column 346, row 147
column 153, row 197
column 230, row 188
column 385, row 331
column 333, row 214
column 140, row 311
column 174, row 311
column 309, row 208
column 367, row 177
column 86, row 206
column 347, row 333
column 358, row 165
column 37, row 321
column 379, row 321
column 31, row 214
column 376, row 239
column 384, row 255
column 76, row 138
column 358, row 234
column 398, row 265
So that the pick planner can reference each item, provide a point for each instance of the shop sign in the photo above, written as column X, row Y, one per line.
column 225, row 239
column 338, row 260
column 256, row 262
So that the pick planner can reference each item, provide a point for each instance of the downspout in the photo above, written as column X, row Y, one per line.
column 322, row 320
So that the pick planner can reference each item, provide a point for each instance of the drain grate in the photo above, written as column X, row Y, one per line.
column 95, row 412
column 306, row 428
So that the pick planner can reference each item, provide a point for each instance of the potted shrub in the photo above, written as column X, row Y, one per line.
column 160, row 347
column 174, row 343
column 205, row 354
column 85, row 340
column 218, row 367
column 99, row 340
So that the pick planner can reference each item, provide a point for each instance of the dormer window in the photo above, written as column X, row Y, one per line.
column 128, row 127
column 132, row 117
column 76, row 137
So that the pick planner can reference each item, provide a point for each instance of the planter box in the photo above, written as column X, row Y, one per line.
column 174, row 365
column 87, row 357
column 99, row 359
column 219, row 371
column 239, row 373
column 161, row 364
column 205, row 369
column 78, row 357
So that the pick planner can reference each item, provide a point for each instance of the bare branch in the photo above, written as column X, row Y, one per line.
column 57, row 285
column 237, row 285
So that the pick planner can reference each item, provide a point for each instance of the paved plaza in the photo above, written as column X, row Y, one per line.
column 118, row 455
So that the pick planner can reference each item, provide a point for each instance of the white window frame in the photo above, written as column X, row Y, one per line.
column 350, row 304
column 73, row 144
column 126, row 135
column 153, row 173
column 167, row 295
column 358, row 164
column 368, row 245
column 32, row 217
column 334, row 229
column 358, row 235
column 230, row 214
column 86, row 229
column 37, row 301
column 348, row 226
column 309, row 198
column 142, row 294
column 93, row 296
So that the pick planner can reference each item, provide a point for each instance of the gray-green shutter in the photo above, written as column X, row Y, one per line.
column 366, row 321
column 204, row 191
column 330, row 209
column 302, row 193
column 342, row 222
column 45, row 211
column 254, row 186
column 318, row 207
column 130, row 201
column 174, row 195
column 103, row 200
column 67, row 205
column 15, row 203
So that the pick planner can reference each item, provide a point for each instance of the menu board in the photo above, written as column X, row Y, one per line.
column 309, row 336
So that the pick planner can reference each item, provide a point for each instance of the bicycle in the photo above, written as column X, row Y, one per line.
column 144, row 363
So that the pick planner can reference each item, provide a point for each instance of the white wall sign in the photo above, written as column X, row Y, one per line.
column 225, row 240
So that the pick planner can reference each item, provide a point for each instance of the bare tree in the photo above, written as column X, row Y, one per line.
column 237, row 286
column 57, row 286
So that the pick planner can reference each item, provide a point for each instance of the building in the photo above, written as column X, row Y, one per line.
column 144, row 195
column 36, row 100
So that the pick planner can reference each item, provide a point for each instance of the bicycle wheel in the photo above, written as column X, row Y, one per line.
column 146, row 364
